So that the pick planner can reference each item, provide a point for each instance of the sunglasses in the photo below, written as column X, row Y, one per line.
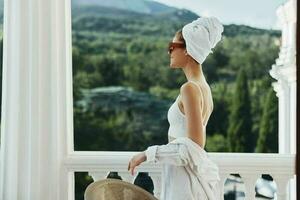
column 173, row 45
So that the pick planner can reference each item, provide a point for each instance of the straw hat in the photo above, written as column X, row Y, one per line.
column 114, row 189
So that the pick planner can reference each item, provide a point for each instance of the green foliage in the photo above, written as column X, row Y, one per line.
column 258, row 91
column 234, row 30
column 117, row 118
column 110, row 20
column 240, row 137
column 141, row 6
column 268, row 132
column 82, row 180
column 216, row 143
column 114, row 47
column 221, row 109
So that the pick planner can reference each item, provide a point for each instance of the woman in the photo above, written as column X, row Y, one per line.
column 188, row 117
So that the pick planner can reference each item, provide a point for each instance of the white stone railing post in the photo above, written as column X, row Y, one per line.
column 250, row 181
column 98, row 175
column 282, row 184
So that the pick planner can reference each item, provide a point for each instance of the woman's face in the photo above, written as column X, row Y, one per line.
column 178, row 55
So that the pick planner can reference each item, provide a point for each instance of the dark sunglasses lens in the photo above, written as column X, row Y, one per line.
column 170, row 50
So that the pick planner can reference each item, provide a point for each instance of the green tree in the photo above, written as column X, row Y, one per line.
column 221, row 109
column 268, row 131
column 216, row 143
column 240, row 137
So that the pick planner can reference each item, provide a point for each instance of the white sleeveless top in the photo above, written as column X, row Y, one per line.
column 177, row 119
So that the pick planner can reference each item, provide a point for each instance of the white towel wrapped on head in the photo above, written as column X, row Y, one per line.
column 201, row 36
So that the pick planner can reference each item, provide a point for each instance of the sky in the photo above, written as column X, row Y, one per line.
column 255, row 13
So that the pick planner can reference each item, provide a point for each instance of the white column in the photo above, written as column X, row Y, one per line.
column 36, row 101
column 284, row 71
column 282, row 92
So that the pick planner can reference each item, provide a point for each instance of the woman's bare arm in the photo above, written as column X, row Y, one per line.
column 190, row 96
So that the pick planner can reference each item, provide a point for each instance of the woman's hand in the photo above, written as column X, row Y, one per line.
column 136, row 161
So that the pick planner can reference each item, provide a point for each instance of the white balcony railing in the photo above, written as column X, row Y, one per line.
column 249, row 166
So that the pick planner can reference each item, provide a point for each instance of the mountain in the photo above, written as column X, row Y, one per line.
column 233, row 30
column 140, row 6
column 103, row 19
column 117, row 21
column 115, row 14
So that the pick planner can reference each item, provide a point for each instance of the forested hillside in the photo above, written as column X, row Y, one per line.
column 113, row 47
column 123, row 85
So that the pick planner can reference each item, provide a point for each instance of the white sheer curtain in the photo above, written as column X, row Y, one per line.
column 37, row 100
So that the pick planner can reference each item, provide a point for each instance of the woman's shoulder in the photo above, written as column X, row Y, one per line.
column 191, row 92
column 190, row 87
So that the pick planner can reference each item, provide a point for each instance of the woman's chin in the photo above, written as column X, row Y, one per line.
column 173, row 66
